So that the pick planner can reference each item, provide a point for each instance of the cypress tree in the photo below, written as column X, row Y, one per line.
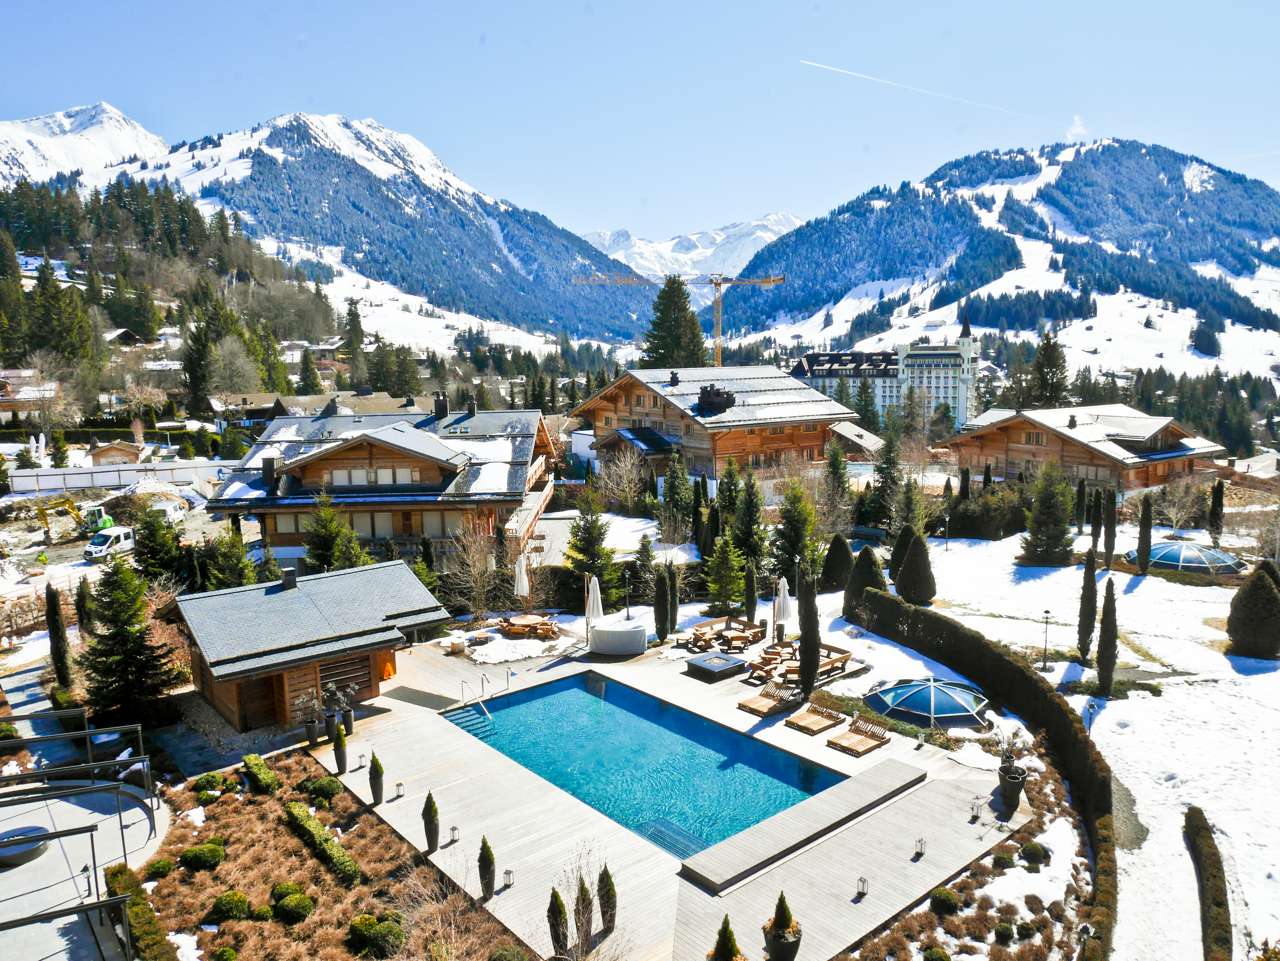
column 1109, row 527
column 642, row 582
column 1144, row 535
column 837, row 564
column 1108, row 641
column 986, row 477
column 1048, row 537
column 865, row 573
column 1081, row 506
column 661, row 609
column 1088, row 605
column 900, row 545
column 1254, row 622
column 726, row 948
column 1095, row 518
column 946, row 492
column 810, row 637
column 673, row 597
column 558, row 922
column 964, row 483
column 126, row 672
column 583, row 912
column 59, row 648
column 750, row 593
column 84, row 608
column 695, row 515
column 724, row 579
column 607, row 895
column 1216, row 511
column 915, row 582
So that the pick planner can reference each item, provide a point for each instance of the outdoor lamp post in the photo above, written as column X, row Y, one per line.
column 626, row 584
column 863, row 887
column 920, row 847
column 454, row 835
column 508, row 877
column 399, row 789
column 946, row 546
column 361, row 764
column 1044, row 663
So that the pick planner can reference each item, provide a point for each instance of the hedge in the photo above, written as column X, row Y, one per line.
column 83, row 435
column 1009, row 678
column 262, row 779
column 1215, row 908
column 325, row 846
column 148, row 934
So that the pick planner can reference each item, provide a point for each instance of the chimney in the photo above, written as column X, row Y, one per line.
column 269, row 471
column 288, row 578
column 1071, row 422
column 440, row 403
column 471, row 405
column 675, row 380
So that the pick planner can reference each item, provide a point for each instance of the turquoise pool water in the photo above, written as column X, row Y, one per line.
column 677, row 779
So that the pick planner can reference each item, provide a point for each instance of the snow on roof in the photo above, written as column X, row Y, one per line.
column 761, row 395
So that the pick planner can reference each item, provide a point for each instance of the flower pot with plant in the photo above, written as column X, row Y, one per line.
column 349, row 692
column 488, row 869
column 726, row 948
column 375, row 779
column 340, row 751
column 313, row 710
column 431, row 823
column 782, row 933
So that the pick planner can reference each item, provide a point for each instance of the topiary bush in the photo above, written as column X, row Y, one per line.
column 283, row 889
column 378, row 937
column 224, row 953
column 323, row 790
column 294, row 908
column 149, row 940
column 325, row 846
column 159, row 868
column 213, row 781
column 1026, row 930
column 1215, row 906
column 207, row 797
column 261, row 778
column 1004, row 933
column 262, row 913
column 202, row 857
column 943, row 901
column 228, row 906
column 1033, row 852
column 936, row 954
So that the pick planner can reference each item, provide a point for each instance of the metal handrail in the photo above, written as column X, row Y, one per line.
column 478, row 701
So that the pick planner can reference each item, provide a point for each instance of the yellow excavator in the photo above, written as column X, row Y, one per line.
column 88, row 522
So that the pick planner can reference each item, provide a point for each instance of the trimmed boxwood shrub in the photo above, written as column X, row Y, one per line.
column 1215, row 907
column 1002, row 861
column 943, row 901
column 324, row 845
column 1033, row 852
column 379, row 937
column 323, row 790
column 148, row 933
column 262, row 779
column 1010, row 679
column 159, row 868
column 262, row 913
column 294, row 908
column 1004, row 933
column 213, row 781
column 207, row 797
column 202, row 857
column 936, row 954
column 224, row 953
column 283, row 889
column 228, row 906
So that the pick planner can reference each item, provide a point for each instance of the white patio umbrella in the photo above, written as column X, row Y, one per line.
column 522, row 577
column 595, row 610
column 783, row 609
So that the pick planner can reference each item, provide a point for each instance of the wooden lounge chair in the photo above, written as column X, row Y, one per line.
column 772, row 700
column 862, row 737
column 763, row 668
column 815, row 719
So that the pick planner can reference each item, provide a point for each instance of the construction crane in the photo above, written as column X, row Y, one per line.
column 718, row 281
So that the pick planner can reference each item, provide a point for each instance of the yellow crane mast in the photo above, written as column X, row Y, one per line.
column 718, row 281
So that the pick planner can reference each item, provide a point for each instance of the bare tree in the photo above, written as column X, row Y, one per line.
column 231, row 370
column 54, row 405
column 472, row 573
column 621, row 478
column 1180, row 500
column 673, row 525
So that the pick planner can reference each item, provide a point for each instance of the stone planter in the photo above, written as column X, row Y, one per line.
column 330, row 725
column 340, row 757
column 349, row 720
column 1012, row 780
column 781, row 945
column 313, row 732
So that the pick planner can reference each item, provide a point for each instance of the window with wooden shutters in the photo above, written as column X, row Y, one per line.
column 349, row 670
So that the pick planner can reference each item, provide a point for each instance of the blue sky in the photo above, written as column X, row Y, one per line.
column 667, row 117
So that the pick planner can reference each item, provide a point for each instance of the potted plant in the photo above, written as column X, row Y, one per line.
column 782, row 933
column 313, row 710
column 487, row 869
column 726, row 948
column 607, row 895
column 375, row 779
column 348, row 709
column 431, row 823
column 340, row 750
column 330, row 710
column 1012, row 779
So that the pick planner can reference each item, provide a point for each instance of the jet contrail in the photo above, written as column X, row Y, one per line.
column 921, row 90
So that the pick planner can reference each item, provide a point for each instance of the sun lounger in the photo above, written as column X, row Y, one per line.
column 815, row 720
column 862, row 737
column 772, row 700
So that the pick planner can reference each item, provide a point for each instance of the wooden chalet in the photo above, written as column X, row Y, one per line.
column 1111, row 445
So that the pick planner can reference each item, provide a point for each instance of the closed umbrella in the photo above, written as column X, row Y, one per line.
column 595, row 610
column 783, row 609
column 522, row 578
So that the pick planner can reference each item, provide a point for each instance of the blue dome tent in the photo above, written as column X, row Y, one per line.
column 930, row 702
column 1184, row 556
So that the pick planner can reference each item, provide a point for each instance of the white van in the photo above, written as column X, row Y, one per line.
column 113, row 540
column 173, row 512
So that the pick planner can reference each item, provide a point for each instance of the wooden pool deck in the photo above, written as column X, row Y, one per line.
column 547, row 836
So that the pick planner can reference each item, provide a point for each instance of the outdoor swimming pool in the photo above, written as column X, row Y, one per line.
column 677, row 779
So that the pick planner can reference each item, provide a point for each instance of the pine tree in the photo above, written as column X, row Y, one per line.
column 308, row 377
column 835, row 497
column 1144, row 535
column 1088, row 605
column 1049, row 378
column 905, row 535
column 915, row 582
column 844, row 395
column 642, row 582
column 810, row 636
column 675, row 337
column 59, row 647
column 676, row 489
column 884, row 492
column 348, row 552
column 268, row 569
column 127, row 673
column 84, row 608
column 58, row 449
column 864, row 406
column 225, row 563
column 724, row 579
column 157, row 549
column 324, row 527
column 231, row 446
column 909, row 510
column 1081, row 505
column 729, row 492
column 1109, row 527
column 836, row 565
column 865, row 573
column 748, row 523
column 1216, row 512
column 197, row 361
column 1048, row 538
column 791, row 536
column 750, row 592
column 1108, row 640
column 1254, row 621
column 588, row 556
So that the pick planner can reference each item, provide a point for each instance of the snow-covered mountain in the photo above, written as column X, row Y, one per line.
column 381, row 199
column 81, row 138
column 724, row 250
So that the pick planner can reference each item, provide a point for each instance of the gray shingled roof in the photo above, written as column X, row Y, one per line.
column 265, row 627
column 762, row 395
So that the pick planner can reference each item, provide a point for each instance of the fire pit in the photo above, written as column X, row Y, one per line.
column 714, row 666
column 31, row 848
